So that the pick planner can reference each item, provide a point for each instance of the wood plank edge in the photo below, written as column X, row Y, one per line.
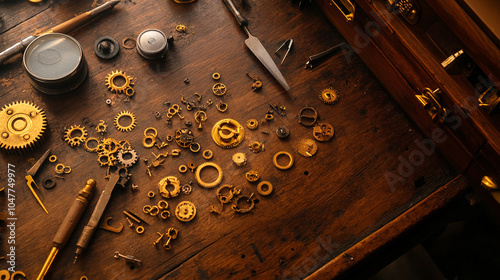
column 395, row 228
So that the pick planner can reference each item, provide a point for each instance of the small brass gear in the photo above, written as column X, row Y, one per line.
column 126, row 87
column 185, row 211
column 75, row 135
column 128, row 127
column 22, row 127
column 101, row 127
column 228, row 133
column 329, row 96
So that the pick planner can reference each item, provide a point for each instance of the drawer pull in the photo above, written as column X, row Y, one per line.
column 490, row 99
column 430, row 100
column 346, row 7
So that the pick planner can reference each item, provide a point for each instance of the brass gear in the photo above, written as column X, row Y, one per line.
column 22, row 127
column 329, row 96
column 323, row 132
column 228, row 133
column 125, row 88
column 185, row 211
column 125, row 128
column 69, row 135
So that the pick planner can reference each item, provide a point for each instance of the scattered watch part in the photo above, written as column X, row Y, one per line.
column 152, row 44
column 125, row 127
column 307, row 147
column 323, row 132
column 226, row 196
column 282, row 132
column 181, row 28
column 207, row 154
column 166, row 184
column 49, row 182
column 192, row 166
column 53, row 158
column 91, row 148
column 22, row 127
column 219, row 89
column 200, row 117
column 184, row 137
column 186, row 189
column 75, row 135
column 106, row 47
column 208, row 185
column 101, row 127
column 236, row 207
column 215, row 76
column 127, row 45
column 126, row 87
column 183, row 168
column 281, row 154
column 127, row 158
column 239, row 159
column 256, row 146
column 308, row 116
column 264, row 188
column 329, row 96
column 185, row 211
column 252, row 124
column 228, row 133
column 252, row 176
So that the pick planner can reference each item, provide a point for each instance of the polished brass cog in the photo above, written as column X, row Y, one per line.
column 75, row 135
column 128, row 127
column 185, row 211
column 329, row 96
column 126, row 87
column 228, row 133
column 22, row 127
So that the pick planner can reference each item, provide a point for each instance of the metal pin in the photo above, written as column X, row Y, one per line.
column 290, row 44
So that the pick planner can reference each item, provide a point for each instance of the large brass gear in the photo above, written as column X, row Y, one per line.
column 170, row 182
column 125, row 128
column 75, row 135
column 126, row 87
column 22, row 127
column 185, row 211
column 228, row 133
column 329, row 96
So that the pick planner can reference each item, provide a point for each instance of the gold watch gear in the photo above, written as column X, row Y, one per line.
column 307, row 147
column 75, row 135
column 126, row 87
column 252, row 176
column 219, row 89
column 184, row 137
column 165, row 186
column 323, row 132
column 329, row 96
column 185, row 211
column 239, row 159
column 125, row 127
column 252, row 124
column 22, row 127
column 228, row 133
column 226, row 192
column 101, row 127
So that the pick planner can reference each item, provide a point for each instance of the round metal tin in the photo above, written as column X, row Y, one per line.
column 55, row 63
column 152, row 44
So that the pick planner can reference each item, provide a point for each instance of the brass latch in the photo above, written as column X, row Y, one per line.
column 346, row 7
column 430, row 100
column 490, row 99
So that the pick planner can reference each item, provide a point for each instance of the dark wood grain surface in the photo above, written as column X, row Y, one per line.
column 320, row 208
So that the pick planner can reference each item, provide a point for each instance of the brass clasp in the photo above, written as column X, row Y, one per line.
column 430, row 100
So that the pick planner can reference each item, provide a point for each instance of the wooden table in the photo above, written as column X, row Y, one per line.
column 326, row 214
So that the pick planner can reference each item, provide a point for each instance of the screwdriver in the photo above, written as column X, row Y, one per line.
column 69, row 224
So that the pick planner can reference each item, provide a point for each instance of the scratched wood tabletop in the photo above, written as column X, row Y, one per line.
column 319, row 208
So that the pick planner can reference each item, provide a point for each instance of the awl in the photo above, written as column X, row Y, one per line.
column 32, row 172
column 256, row 47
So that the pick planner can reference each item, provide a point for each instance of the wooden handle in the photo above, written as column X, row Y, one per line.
column 242, row 21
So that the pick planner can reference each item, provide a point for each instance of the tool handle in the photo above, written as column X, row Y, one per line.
column 324, row 54
column 242, row 21
column 74, row 214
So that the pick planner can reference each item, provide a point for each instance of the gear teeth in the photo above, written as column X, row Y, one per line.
column 329, row 96
column 127, row 162
column 127, row 128
column 75, row 141
column 118, row 89
column 28, row 139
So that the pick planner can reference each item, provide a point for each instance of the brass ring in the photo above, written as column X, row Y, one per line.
column 154, row 210
column 146, row 144
column 207, row 154
column 18, row 273
column 265, row 184
column 283, row 167
column 215, row 76
column 67, row 169
column 252, row 124
column 194, row 147
column 84, row 278
column 53, row 158
column 165, row 214
column 139, row 229
column 170, row 138
column 146, row 209
column 127, row 39
column 154, row 134
column 204, row 184
column 162, row 204
column 151, row 194
column 86, row 145
column 182, row 168
column 59, row 168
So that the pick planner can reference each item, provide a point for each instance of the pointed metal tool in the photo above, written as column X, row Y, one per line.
column 257, row 48
column 290, row 44
column 32, row 172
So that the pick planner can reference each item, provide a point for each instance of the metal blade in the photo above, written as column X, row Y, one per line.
column 260, row 52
